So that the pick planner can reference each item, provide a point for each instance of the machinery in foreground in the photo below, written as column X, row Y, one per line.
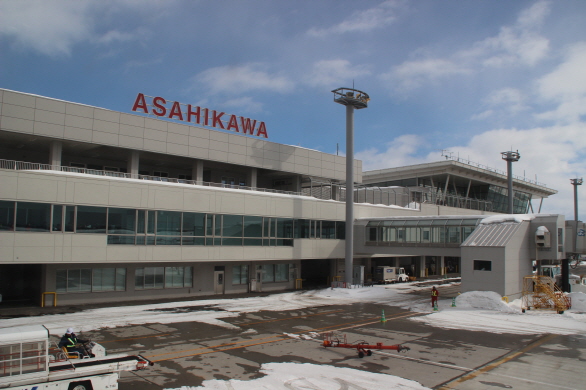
column 29, row 362
column 333, row 340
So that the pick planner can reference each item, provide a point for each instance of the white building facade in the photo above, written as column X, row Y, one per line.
column 99, row 206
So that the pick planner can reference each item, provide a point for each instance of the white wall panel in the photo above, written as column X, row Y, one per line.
column 49, row 130
column 20, row 112
column 19, row 99
column 9, row 186
column 99, row 137
column 77, row 134
column 79, row 110
column 50, row 105
column 88, row 193
column 106, row 115
column 38, row 188
column 55, row 118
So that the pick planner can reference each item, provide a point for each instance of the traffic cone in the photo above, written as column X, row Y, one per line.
column 383, row 319
column 435, row 306
column 454, row 302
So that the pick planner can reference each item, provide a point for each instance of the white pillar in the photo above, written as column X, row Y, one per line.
column 197, row 171
column 252, row 178
column 421, row 266
column 55, row 151
column 133, row 163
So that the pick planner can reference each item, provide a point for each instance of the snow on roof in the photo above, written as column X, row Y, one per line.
column 512, row 218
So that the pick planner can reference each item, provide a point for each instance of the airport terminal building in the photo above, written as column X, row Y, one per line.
column 177, row 201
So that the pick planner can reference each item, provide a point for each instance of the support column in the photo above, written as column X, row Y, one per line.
column 55, row 151
column 197, row 171
column 133, row 162
column 421, row 267
column 252, row 178
column 442, row 266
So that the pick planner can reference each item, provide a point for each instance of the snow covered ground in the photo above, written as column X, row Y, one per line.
column 473, row 311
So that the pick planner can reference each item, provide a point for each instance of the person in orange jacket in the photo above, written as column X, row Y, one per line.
column 434, row 295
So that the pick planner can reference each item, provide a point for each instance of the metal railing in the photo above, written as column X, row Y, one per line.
column 28, row 166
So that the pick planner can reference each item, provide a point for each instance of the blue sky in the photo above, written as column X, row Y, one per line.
column 475, row 78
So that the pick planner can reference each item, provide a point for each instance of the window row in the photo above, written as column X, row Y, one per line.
column 157, row 227
column 425, row 235
column 149, row 278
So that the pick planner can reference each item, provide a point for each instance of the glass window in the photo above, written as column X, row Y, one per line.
column 121, row 221
column 482, row 265
column 109, row 279
column 240, row 274
column 281, row 272
column 122, row 240
column 173, row 277
column 57, row 225
column 268, row 273
column 91, row 219
column 61, row 280
column 6, row 215
column 69, row 218
column 194, row 224
column 284, row 228
column 232, row 226
column 328, row 229
column 340, row 230
column 252, row 226
column 302, row 228
column 168, row 223
column 209, row 224
column 74, row 280
column 149, row 278
column 34, row 217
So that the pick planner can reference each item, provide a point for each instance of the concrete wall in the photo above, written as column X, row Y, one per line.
column 60, row 120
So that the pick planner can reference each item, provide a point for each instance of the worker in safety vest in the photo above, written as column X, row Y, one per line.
column 70, row 341
column 434, row 295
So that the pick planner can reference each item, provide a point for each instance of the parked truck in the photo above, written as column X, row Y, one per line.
column 28, row 361
column 384, row 275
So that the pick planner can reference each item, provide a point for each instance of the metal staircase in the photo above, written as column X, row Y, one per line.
column 541, row 292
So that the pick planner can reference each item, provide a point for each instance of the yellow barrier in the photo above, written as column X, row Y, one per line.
column 506, row 299
column 298, row 284
column 54, row 298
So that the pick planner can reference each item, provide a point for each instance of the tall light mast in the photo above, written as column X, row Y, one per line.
column 352, row 99
column 510, row 158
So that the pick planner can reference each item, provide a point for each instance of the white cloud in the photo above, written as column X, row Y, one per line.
column 517, row 45
column 414, row 74
column 400, row 151
column 238, row 79
column 54, row 27
column 48, row 27
column 362, row 21
column 506, row 100
column 566, row 86
column 333, row 72
column 244, row 103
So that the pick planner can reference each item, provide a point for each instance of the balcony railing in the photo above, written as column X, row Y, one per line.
column 28, row 166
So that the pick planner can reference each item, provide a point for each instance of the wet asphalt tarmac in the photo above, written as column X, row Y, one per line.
column 186, row 354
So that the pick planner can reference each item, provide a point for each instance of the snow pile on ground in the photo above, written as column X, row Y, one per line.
column 485, row 311
column 476, row 310
column 293, row 376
